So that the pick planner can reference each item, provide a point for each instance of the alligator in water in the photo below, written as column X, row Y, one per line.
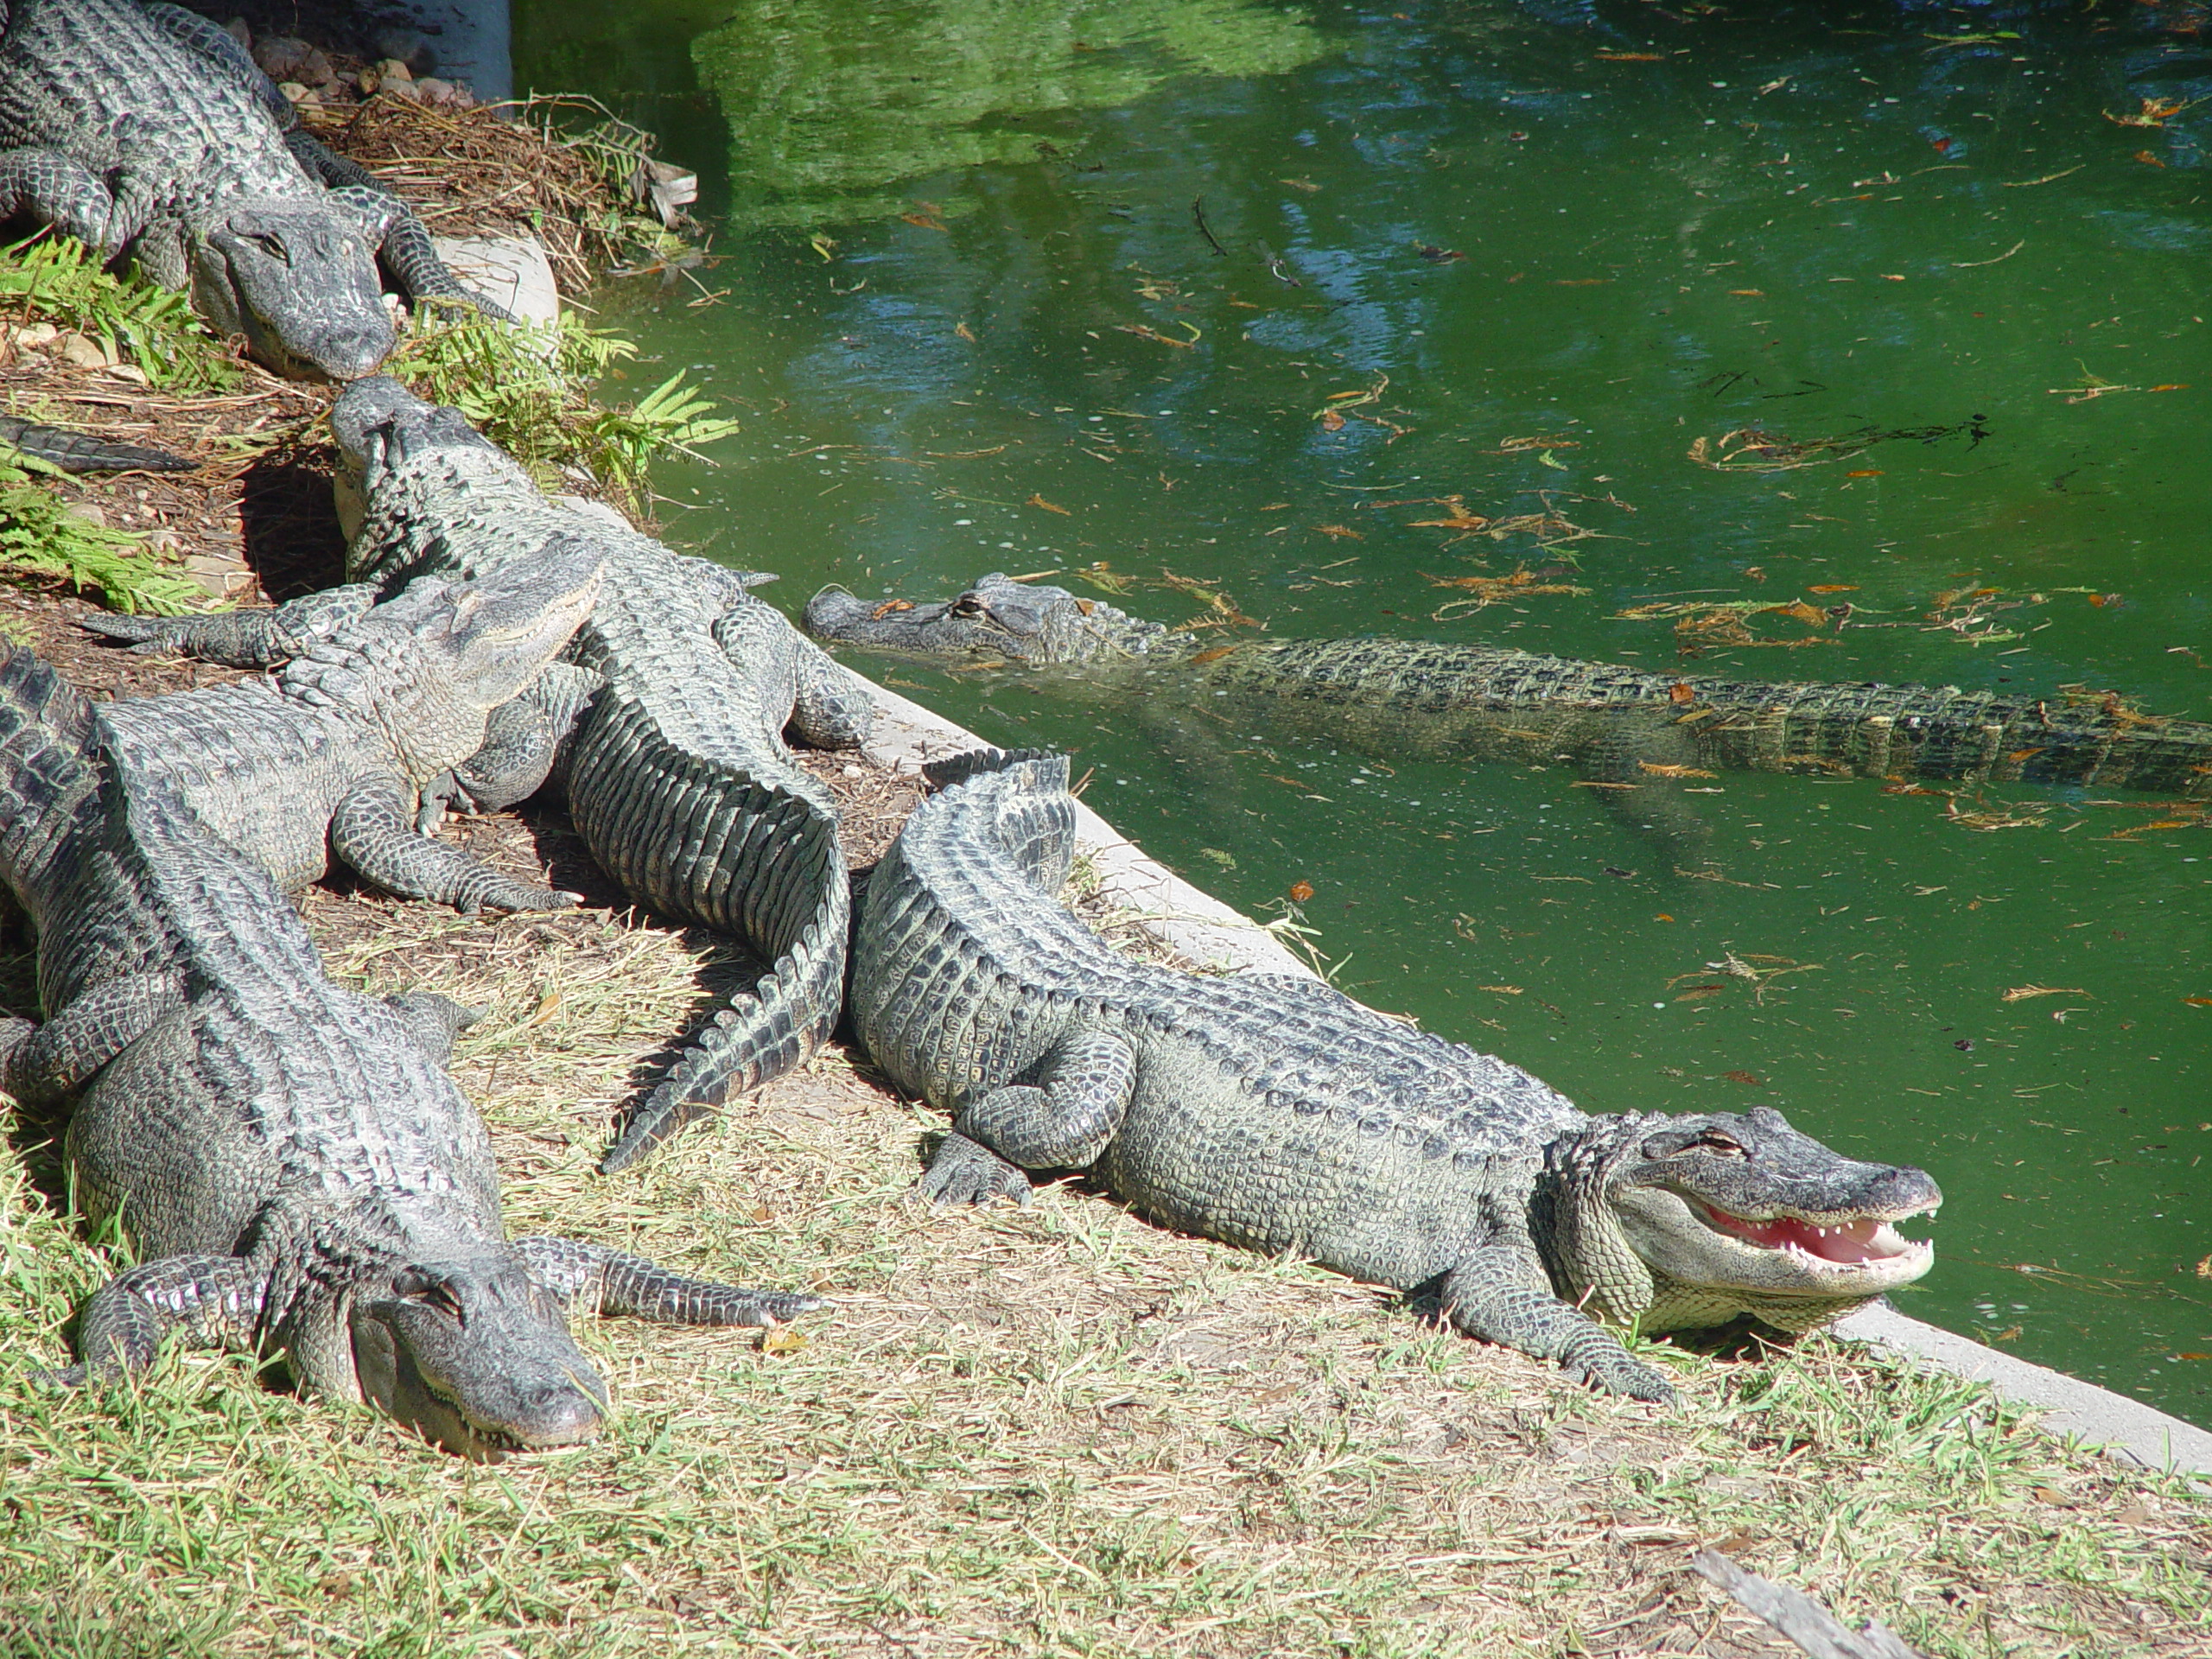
column 1427, row 698
column 676, row 773
column 84, row 452
column 290, row 1161
column 146, row 132
column 332, row 754
column 1276, row 1113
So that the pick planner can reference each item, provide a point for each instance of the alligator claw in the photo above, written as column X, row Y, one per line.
column 964, row 1171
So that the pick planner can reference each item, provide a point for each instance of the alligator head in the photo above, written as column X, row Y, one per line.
column 1015, row 621
column 475, row 1356
column 430, row 664
column 1679, row 1222
column 298, row 278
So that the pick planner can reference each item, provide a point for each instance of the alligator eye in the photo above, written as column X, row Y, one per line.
column 968, row 605
column 268, row 244
column 433, row 1293
column 1717, row 1143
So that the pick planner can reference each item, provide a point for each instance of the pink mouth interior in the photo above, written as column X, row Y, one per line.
column 1850, row 1242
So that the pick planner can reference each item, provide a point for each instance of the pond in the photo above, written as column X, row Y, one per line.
column 1891, row 321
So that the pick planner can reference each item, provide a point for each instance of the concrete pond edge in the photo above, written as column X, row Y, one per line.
column 1207, row 931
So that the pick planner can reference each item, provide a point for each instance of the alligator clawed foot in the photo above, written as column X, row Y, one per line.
column 963, row 1172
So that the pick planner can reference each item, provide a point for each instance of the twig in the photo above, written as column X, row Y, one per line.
column 1198, row 219
column 1798, row 1617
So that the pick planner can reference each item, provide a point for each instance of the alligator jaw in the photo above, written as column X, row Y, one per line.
column 1831, row 1246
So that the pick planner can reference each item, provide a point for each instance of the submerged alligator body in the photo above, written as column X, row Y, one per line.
column 1278, row 1115
column 146, row 132
column 290, row 1160
column 1427, row 698
column 332, row 754
column 677, row 772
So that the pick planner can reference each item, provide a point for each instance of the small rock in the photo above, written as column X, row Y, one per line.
column 129, row 372
column 237, row 31
column 410, row 90
column 79, row 353
column 435, row 91
column 165, row 540
column 86, row 512
column 283, row 58
column 37, row 334
column 393, row 69
column 406, row 46
column 294, row 92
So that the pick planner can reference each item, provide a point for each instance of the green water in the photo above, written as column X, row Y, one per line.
column 1814, row 222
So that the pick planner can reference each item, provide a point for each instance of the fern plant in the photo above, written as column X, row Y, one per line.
column 529, row 391
column 40, row 537
column 62, row 282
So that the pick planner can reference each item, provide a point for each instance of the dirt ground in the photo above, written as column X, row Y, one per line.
column 1056, row 1430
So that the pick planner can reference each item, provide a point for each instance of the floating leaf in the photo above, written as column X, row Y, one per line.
column 1502, row 990
column 1752, row 1078
column 1306, row 185
column 2021, row 993
column 1039, row 501
column 1680, row 692
column 1301, row 892
column 1332, row 422
column 1338, row 532
column 1831, row 588
column 889, row 606
column 965, row 331
column 822, row 244
column 1658, row 771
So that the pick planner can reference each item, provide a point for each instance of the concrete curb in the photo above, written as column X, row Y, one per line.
column 1206, row 930
column 2127, row 1428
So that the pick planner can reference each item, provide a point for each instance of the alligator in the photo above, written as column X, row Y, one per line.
column 148, row 133
column 333, row 754
column 73, row 451
column 1435, row 699
column 290, row 1160
column 676, row 773
column 1274, row 1113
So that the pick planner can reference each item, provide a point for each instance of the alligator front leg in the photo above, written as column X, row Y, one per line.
column 242, row 638
column 399, row 237
column 522, row 741
column 372, row 833
column 1501, row 1293
column 56, row 189
column 963, row 1172
column 214, row 1301
column 602, row 1280
column 61, row 1057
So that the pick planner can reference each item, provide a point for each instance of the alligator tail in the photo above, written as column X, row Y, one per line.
column 83, row 452
column 48, row 746
column 711, row 842
column 959, row 768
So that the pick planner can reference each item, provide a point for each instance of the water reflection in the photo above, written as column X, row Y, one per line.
column 832, row 102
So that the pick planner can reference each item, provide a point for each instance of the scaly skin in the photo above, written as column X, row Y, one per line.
column 1399, row 696
column 84, row 452
column 676, row 773
column 146, row 132
column 335, row 752
column 290, row 1159
column 1276, row 1113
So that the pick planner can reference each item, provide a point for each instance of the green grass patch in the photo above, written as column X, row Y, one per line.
column 1055, row 1431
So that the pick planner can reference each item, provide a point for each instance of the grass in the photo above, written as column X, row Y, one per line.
column 40, row 537
column 1054, row 1431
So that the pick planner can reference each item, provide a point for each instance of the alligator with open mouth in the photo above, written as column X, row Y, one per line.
column 1630, row 725
column 148, row 133
column 290, row 1160
column 1274, row 1113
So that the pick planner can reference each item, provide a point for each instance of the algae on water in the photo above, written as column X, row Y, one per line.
column 831, row 103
